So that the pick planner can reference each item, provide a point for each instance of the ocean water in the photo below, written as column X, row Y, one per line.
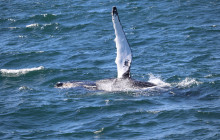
column 174, row 43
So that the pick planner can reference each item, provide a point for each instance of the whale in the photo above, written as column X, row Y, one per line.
column 124, row 81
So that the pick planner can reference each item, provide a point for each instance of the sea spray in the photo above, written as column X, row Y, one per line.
column 157, row 81
column 187, row 82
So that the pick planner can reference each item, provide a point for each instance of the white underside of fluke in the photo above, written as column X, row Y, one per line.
column 124, row 56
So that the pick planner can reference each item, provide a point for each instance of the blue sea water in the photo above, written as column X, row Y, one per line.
column 174, row 42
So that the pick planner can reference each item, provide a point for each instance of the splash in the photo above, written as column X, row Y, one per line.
column 158, row 81
column 18, row 72
column 188, row 82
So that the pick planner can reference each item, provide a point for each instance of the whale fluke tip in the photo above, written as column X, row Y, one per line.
column 114, row 10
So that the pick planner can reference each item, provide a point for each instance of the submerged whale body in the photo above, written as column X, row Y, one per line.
column 123, row 61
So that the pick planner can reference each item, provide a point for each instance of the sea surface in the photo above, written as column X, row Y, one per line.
column 175, row 43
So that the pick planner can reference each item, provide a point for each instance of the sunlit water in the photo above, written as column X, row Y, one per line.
column 175, row 44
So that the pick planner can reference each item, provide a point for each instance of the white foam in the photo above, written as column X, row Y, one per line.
column 98, row 131
column 10, row 19
column 18, row 72
column 45, row 15
column 39, row 51
column 188, row 82
column 157, row 81
column 13, row 27
column 24, row 88
column 22, row 36
column 32, row 25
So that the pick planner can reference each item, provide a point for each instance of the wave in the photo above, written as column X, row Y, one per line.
column 188, row 82
column 18, row 72
column 44, row 17
column 32, row 25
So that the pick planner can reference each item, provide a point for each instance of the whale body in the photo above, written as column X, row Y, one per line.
column 123, row 61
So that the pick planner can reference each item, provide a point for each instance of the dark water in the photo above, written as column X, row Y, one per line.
column 174, row 42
